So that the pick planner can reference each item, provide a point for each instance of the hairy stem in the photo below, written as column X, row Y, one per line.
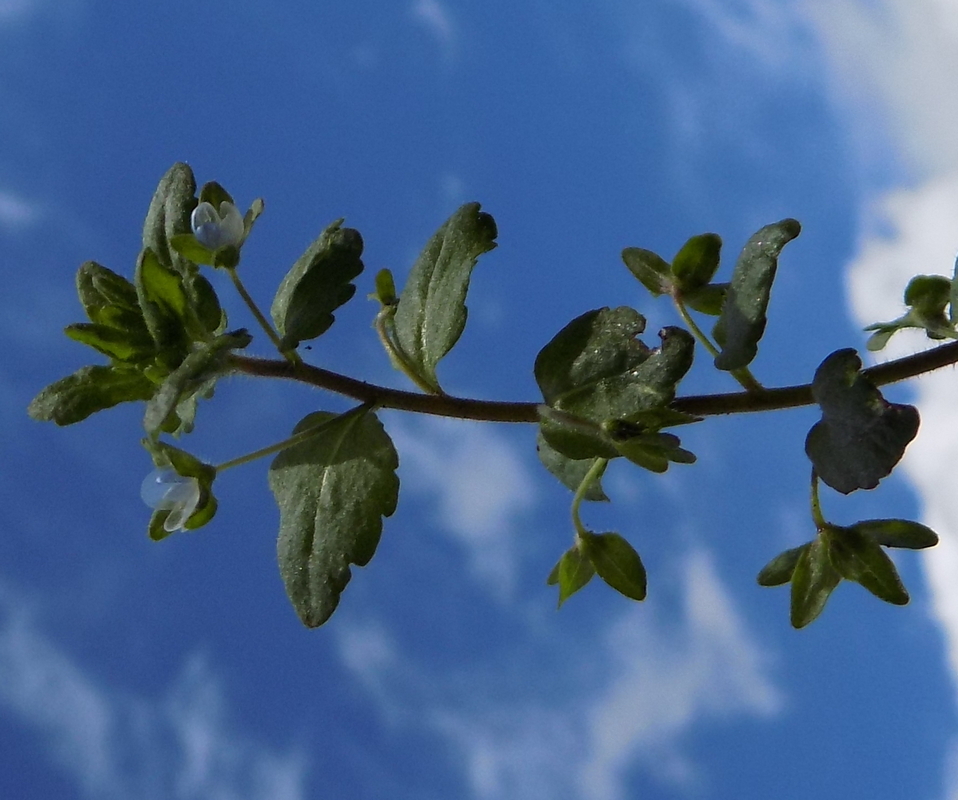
column 495, row 411
column 291, row 355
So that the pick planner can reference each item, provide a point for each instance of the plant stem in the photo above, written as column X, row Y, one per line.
column 743, row 375
column 496, row 411
column 817, row 517
column 290, row 355
column 595, row 472
column 384, row 328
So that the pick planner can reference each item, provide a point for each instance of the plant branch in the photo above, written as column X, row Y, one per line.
column 497, row 411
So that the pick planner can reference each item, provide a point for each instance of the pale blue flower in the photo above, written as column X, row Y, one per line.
column 215, row 229
column 165, row 490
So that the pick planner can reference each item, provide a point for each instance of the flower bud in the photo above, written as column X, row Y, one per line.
column 165, row 490
column 215, row 229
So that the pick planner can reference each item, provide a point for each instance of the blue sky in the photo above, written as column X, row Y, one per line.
column 130, row 669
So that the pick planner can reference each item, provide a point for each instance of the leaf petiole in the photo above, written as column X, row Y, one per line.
column 290, row 355
column 743, row 375
column 594, row 474
column 293, row 440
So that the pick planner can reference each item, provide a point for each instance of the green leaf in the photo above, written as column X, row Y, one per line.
column 597, row 369
column 653, row 271
column 110, row 301
column 928, row 295
column 781, row 568
column 165, row 305
column 696, row 263
column 318, row 284
column 570, row 472
column 953, row 297
column 432, row 307
column 252, row 214
column 169, row 215
column 205, row 304
column 385, row 288
column 332, row 491
column 813, row 580
column 113, row 342
column 707, row 300
column 197, row 373
column 861, row 436
column 574, row 437
column 897, row 533
column 214, row 194
column 572, row 572
column 859, row 558
column 742, row 323
column 652, row 451
column 187, row 246
column 617, row 563
column 103, row 293
column 88, row 390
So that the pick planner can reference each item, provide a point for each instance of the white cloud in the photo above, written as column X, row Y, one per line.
column 908, row 54
column 482, row 486
column 14, row 11
column 434, row 16
column 119, row 746
column 918, row 232
column 905, row 56
column 627, row 698
column 668, row 680
column 769, row 31
column 15, row 212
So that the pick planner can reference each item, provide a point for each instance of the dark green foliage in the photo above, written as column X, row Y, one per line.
column 861, row 436
column 333, row 490
column 617, row 563
column 573, row 571
column 88, row 390
column 696, row 263
column 318, row 283
column 852, row 553
column 743, row 319
column 432, row 310
column 607, row 394
column 169, row 216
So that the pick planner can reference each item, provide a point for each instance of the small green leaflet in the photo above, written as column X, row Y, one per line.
column 169, row 216
column 617, row 563
column 432, row 307
column 165, row 306
column 859, row 558
column 813, row 580
column 333, row 490
column 696, row 263
column 781, row 568
column 652, row 271
column 318, row 284
column 88, row 390
column 861, row 436
column 572, row 572
column 742, row 322
column 898, row 533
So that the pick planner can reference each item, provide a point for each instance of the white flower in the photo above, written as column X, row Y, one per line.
column 215, row 229
column 164, row 489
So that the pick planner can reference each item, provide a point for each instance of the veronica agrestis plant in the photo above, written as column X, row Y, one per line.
column 606, row 393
